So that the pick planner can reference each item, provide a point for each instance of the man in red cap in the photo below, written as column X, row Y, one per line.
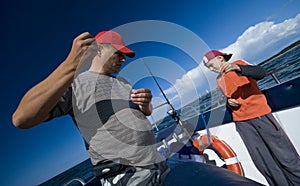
column 270, row 148
column 109, row 113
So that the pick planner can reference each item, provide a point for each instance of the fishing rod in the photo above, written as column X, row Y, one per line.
column 172, row 112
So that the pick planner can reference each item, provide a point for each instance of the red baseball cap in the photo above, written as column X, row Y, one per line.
column 116, row 40
column 214, row 53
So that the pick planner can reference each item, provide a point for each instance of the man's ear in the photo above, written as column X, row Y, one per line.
column 222, row 59
column 99, row 51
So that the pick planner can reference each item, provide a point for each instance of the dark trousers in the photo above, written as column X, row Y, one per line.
column 271, row 150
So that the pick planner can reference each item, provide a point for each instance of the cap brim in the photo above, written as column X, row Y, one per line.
column 227, row 56
column 125, row 50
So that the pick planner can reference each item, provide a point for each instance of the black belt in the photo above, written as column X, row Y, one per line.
column 111, row 168
column 108, row 169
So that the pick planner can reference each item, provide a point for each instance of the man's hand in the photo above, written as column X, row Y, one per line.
column 142, row 97
column 226, row 67
column 84, row 49
column 233, row 103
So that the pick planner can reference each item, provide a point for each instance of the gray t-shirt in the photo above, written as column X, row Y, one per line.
column 113, row 126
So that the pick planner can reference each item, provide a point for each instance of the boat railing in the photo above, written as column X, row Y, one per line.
column 273, row 73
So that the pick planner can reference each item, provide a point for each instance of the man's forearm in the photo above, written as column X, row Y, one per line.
column 256, row 72
column 37, row 103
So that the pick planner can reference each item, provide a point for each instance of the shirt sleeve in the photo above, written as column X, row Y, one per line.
column 64, row 105
column 256, row 72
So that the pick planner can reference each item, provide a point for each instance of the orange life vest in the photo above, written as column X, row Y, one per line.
column 246, row 91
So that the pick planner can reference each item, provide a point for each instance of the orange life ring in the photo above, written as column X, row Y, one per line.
column 226, row 152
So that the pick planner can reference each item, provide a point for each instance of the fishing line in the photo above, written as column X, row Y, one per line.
column 172, row 112
column 157, row 84
column 206, row 127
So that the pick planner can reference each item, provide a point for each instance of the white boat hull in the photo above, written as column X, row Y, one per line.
column 289, row 120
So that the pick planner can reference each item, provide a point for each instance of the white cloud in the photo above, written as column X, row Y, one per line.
column 256, row 44
column 191, row 84
column 265, row 39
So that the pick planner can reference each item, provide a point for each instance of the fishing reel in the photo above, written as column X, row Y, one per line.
column 174, row 114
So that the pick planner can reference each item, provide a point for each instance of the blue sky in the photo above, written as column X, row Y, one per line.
column 38, row 36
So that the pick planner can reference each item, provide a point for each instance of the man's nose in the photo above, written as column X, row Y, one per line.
column 123, row 58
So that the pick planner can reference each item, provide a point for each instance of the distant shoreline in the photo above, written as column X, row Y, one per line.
column 281, row 52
